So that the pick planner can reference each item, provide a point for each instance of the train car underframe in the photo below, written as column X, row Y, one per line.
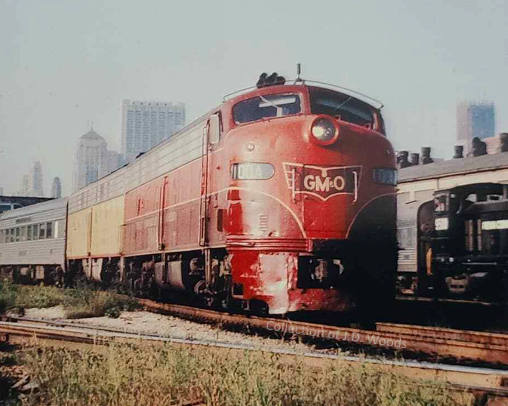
column 106, row 270
column 342, row 279
column 202, row 273
column 48, row 274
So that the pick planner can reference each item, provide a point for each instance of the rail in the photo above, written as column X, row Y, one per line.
column 470, row 346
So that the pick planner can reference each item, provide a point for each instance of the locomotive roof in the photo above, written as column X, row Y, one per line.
column 249, row 92
column 35, row 208
column 488, row 206
column 453, row 167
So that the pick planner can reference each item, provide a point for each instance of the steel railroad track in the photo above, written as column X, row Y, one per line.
column 459, row 346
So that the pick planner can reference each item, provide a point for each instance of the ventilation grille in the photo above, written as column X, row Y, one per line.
column 263, row 222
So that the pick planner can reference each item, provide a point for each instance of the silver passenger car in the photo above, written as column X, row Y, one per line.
column 32, row 241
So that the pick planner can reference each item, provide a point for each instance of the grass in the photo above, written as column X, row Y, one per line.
column 84, row 301
column 162, row 374
column 151, row 374
column 8, row 396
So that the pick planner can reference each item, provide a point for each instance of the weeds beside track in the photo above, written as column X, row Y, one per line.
column 151, row 372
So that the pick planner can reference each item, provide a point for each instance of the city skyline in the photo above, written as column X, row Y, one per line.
column 93, row 159
column 32, row 182
column 60, row 70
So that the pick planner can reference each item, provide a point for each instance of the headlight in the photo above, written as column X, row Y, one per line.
column 385, row 176
column 324, row 131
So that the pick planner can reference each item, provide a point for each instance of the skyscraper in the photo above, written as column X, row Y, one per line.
column 111, row 162
column 475, row 120
column 23, row 189
column 56, row 188
column 31, row 184
column 35, row 180
column 145, row 124
column 93, row 160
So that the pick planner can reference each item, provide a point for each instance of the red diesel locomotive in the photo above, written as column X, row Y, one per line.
column 280, row 199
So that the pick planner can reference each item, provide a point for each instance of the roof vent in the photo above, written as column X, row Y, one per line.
column 459, row 152
column 402, row 159
column 415, row 159
column 503, row 142
column 479, row 147
column 426, row 159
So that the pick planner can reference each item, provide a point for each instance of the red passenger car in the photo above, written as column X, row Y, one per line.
column 281, row 198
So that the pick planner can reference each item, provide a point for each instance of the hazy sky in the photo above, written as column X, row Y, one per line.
column 64, row 63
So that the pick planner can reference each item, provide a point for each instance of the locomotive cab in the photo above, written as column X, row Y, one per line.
column 470, row 242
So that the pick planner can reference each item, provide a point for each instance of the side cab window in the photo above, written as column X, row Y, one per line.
column 214, row 128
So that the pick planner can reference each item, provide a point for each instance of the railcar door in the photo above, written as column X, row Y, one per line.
column 211, row 137
column 424, row 240
column 163, row 192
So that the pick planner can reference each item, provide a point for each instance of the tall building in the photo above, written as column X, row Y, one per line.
column 31, row 184
column 475, row 120
column 113, row 160
column 56, row 188
column 35, row 180
column 93, row 160
column 23, row 189
column 145, row 124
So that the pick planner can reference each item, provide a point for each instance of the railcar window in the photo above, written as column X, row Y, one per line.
column 49, row 230
column 1, row 236
column 274, row 105
column 441, row 204
column 29, row 233
column 18, row 234
column 35, row 233
column 341, row 106
column 42, row 231
column 23, row 233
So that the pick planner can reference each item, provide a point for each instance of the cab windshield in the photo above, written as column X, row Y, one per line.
column 341, row 106
column 268, row 106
